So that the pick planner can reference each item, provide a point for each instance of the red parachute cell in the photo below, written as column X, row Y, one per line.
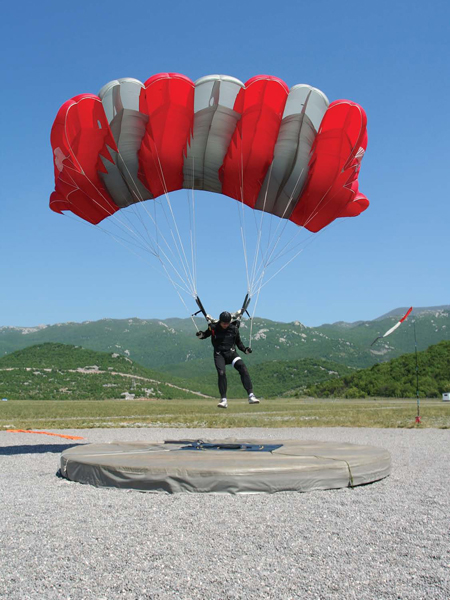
column 260, row 103
column 79, row 137
column 331, row 190
column 168, row 101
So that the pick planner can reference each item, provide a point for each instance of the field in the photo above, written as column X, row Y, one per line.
column 291, row 412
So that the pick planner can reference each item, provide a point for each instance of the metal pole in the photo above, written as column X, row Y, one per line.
column 417, row 376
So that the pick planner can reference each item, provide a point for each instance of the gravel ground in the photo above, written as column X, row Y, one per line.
column 389, row 539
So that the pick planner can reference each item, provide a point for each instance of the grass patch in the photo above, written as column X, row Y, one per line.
column 279, row 412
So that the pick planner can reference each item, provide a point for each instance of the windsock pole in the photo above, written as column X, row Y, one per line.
column 417, row 377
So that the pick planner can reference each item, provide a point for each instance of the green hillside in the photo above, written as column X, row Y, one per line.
column 61, row 372
column 279, row 378
column 62, row 356
column 396, row 378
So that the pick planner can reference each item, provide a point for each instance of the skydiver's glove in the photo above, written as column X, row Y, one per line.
column 248, row 351
column 199, row 334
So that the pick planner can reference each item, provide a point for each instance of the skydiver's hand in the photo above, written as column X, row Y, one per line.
column 199, row 334
column 248, row 351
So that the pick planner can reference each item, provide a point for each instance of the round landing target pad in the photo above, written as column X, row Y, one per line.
column 225, row 466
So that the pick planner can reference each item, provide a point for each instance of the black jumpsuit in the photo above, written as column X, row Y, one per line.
column 224, row 342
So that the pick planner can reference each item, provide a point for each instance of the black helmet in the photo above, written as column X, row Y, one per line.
column 225, row 317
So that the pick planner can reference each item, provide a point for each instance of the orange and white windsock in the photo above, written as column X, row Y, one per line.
column 408, row 312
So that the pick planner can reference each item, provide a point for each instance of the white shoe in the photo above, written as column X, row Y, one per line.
column 223, row 403
column 252, row 399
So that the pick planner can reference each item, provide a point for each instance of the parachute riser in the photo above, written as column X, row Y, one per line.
column 235, row 316
column 202, row 310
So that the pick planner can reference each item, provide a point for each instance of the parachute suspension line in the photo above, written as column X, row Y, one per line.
column 188, row 281
column 286, row 250
column 259, row 231
column 161, row 251
column 255, row 260
column 137, row 213
column 114, row 218
column 253, row 316
column 159, row 247
column 192, row 228
column 110, row 214
column 137, row 194
column 193, row 320
column 272, row 245
column 125, row 244
column 176, row 286
column 309, row 240
column 244, row 246
column 131, row 231
column 184, row 262
column 158, row 234
column 124, row 241
column 315, row 210
column 242, row 216
column 191, row 239
column 312, row 214
column 261, row 284
column 179, row 256
column 306, row 242
column 191, row 291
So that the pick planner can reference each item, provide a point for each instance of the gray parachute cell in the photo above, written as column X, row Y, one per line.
column 120, row 99
column 304, row 111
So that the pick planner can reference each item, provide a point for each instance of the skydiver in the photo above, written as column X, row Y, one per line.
column 225, row 337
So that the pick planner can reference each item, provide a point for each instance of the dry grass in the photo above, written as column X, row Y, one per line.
column 280, row 412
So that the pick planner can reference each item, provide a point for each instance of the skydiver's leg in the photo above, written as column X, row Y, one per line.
column 240, row 367
column 219, row 361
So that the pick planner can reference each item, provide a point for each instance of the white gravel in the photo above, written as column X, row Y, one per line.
column 390, row 539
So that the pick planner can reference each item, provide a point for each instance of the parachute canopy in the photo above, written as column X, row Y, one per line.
column 284, row 151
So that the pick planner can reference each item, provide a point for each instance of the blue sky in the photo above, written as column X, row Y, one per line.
column 391, row 57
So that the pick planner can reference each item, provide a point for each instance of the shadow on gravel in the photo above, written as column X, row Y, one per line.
column 35, row 449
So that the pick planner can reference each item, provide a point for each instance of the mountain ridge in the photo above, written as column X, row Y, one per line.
column 171, row 345
column 400, row 311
